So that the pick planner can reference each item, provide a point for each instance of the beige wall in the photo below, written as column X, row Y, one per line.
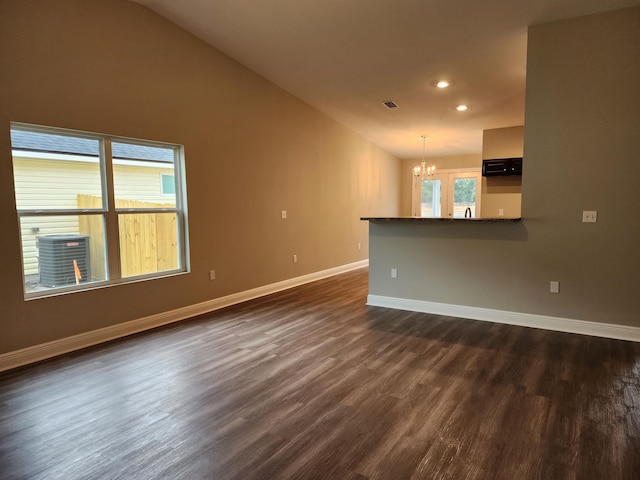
column 581, row 147
column 441, row 163
column 503, row 142
column 502, row 192
column 251, row 151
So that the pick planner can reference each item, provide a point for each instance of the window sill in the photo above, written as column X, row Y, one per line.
column 47, row 292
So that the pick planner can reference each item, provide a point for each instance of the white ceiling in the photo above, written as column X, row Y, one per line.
column 345, row 57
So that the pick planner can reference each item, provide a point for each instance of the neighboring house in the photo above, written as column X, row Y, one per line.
column 70, row 175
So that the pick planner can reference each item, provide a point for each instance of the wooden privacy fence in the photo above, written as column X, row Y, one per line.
column 148, row 241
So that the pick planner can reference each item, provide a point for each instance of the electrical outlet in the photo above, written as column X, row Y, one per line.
column 501, row 212
column 554, row 287
column 358, row 245
column 284, row 214
column 212, row 274
column 394, row 273
column 589, row 216
column 295, row 258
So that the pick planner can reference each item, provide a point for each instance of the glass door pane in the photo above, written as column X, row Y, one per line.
column 464, row 197
column 431, row 198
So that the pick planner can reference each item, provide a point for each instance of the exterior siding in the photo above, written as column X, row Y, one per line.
column 52, row 184
column 141, row 183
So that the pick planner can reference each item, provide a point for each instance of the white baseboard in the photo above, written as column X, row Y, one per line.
column 64, row 345
column 583, row 327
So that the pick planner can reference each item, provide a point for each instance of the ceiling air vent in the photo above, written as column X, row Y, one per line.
column 390, row 104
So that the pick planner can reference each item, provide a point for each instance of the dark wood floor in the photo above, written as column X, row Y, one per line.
column 312, row 384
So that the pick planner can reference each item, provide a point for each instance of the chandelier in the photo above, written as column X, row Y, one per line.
column 423, row 170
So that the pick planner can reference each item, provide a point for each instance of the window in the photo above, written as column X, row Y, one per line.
column 168, row 184
column 91, row 211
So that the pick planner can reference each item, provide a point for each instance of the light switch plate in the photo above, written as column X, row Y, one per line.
column 589, row 216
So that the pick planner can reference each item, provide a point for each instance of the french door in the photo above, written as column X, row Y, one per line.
column 452, row 193
column 430, row 196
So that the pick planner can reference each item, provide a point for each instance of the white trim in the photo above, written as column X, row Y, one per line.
column 460, row 170
column 582, row 327
column 64, row 157
column 64, row 345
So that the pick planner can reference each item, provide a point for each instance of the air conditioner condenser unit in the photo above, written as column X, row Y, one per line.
column 56, row 257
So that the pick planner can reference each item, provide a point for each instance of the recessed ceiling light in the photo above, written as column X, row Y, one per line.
column 442, row 84
column 461, row 108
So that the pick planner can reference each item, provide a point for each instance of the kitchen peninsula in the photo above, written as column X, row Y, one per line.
column 447, row 266
column 440, row 219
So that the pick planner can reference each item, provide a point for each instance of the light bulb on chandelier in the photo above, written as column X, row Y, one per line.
column 423, row 170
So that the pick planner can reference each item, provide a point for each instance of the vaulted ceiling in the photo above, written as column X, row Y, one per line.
column 347, row 57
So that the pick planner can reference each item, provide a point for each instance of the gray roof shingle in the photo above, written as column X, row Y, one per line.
column 69, row 145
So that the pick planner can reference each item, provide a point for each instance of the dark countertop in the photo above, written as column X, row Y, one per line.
column 441, row 219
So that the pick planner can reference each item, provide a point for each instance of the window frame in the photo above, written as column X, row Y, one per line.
column 110, row 213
